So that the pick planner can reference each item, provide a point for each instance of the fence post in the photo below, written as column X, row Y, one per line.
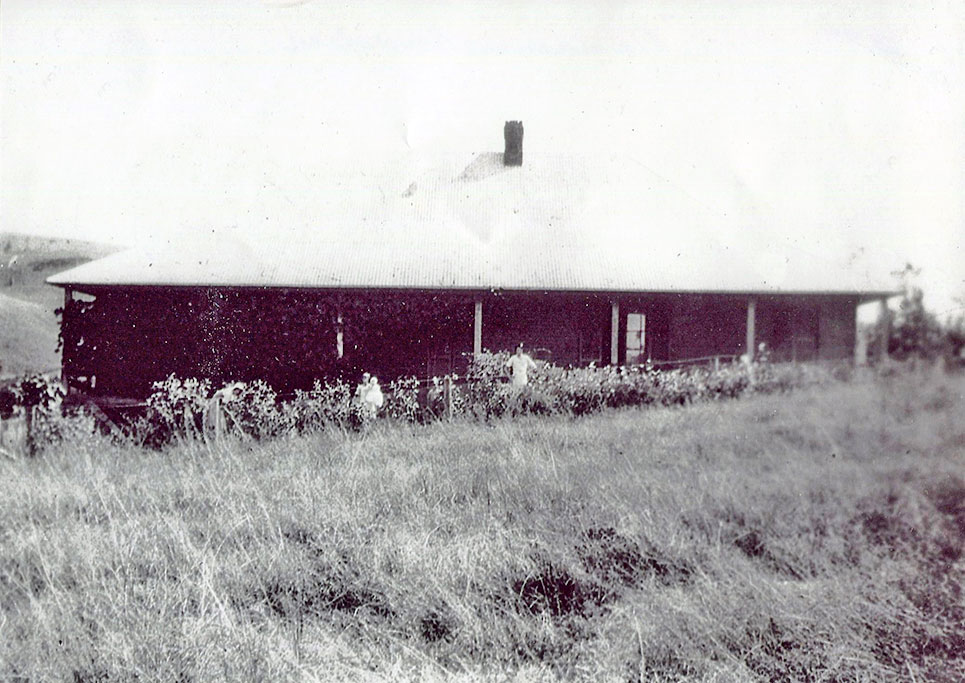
column 448, row 390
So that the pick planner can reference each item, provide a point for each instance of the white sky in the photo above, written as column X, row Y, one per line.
column 834, row 127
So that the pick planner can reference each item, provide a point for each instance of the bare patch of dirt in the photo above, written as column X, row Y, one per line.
column 613, row 558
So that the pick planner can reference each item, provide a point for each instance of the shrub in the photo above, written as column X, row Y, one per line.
column 9, row 401
column 438, row 405
column 40, row 397
column 402, row 399
column 39, row 391
column 679, row 386
column 59, row 425
column 574, row 391
column 630, row 386
column 729, row 381
column 488, row 392
column 177, row 408
column 253, row 409
column 323, row 406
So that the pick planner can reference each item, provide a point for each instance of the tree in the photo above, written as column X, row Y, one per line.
column 915, row 332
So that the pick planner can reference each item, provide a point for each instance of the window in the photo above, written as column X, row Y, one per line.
column 636, row 338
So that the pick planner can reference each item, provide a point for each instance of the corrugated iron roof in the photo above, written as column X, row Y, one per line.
column 552, row 224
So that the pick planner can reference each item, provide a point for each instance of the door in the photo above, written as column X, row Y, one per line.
column 636, row 338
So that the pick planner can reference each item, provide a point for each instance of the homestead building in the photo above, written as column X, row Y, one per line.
column 602, row 262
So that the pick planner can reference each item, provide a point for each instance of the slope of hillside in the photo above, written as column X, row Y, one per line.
column 28, row 325
column 28, row 337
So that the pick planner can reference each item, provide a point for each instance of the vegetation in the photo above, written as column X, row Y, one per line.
column 815, row 537
column 182, row 408
column 955, row 332
column 178, row 408
column 913, row 331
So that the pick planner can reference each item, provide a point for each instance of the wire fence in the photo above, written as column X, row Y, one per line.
column 715, row 360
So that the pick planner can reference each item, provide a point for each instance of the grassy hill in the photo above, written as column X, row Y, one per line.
column 28, row 326
column 813, row 536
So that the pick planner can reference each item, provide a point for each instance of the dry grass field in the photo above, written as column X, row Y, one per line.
column 813, row 536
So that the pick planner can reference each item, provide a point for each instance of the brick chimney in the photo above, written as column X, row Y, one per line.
column 513, row 134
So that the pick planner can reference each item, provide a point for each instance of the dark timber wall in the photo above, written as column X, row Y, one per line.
column 836, row 328
column 118, row 341
column 707, row 325
column 805, row 328
column 569, row 329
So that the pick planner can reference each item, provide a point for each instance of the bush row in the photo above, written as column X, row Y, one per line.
column 191, row 407
column 585, row 390
column 184, row 406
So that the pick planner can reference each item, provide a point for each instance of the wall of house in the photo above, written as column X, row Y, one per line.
column 789, row 327
column 837, row 328
column 120, row 341
column 707, row 325
column 806, row 328
column 568, row 329
column 128, row 338
column 421, row 334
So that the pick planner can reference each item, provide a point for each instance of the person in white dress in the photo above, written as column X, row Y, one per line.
column 520, row 364
column 373, row 399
